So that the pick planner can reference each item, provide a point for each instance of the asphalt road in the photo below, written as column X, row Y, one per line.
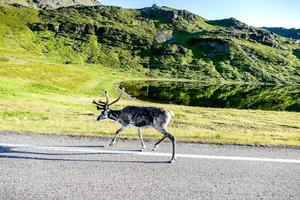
column 61, row 167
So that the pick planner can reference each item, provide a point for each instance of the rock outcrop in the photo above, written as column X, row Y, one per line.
column 290, row 33
column 231, row 26
column 168, row 14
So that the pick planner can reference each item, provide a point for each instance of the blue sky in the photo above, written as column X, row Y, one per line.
column 284, row 13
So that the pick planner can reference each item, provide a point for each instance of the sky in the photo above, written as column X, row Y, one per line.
column 271, row 13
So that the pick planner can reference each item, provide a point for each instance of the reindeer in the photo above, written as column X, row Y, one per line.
column 138, row 117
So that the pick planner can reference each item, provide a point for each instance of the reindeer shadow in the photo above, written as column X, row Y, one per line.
column 6, row 153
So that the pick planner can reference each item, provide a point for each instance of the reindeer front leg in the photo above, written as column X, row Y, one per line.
column 141, row 138
column 117, row 133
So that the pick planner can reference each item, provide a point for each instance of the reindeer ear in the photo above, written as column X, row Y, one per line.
column 98, row 108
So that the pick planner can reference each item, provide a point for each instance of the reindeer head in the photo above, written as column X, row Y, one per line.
column 101, row 105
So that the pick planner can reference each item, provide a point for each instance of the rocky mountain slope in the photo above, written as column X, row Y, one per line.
column 290, row 33
column 170, row 43
column 51, row 4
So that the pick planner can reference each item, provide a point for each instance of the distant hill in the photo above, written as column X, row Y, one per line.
column 51, row 3
column 290, row 33
column 171, row 43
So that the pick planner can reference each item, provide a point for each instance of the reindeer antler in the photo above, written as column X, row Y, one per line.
column 106, row 96
column 115, row 101
column 100, row 104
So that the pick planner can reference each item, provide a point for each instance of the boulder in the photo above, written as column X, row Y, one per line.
column 168, row 14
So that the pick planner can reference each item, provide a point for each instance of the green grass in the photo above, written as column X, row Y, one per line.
column 75, row 115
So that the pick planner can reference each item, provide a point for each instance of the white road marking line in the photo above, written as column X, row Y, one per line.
column 87, row 150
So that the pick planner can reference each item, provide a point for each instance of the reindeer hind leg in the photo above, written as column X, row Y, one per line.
column 173, row 140
column 157, row 143
column 171, row 137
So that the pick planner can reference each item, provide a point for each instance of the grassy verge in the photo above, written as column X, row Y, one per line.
column 56, row 99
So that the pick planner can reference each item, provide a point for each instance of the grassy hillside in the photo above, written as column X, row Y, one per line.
column 171, row 43
column 53, row 63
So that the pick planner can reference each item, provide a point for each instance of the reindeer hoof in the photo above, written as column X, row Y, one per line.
column 172, row 160
column 143, row 149
column 155, row 148
column 111, row 144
